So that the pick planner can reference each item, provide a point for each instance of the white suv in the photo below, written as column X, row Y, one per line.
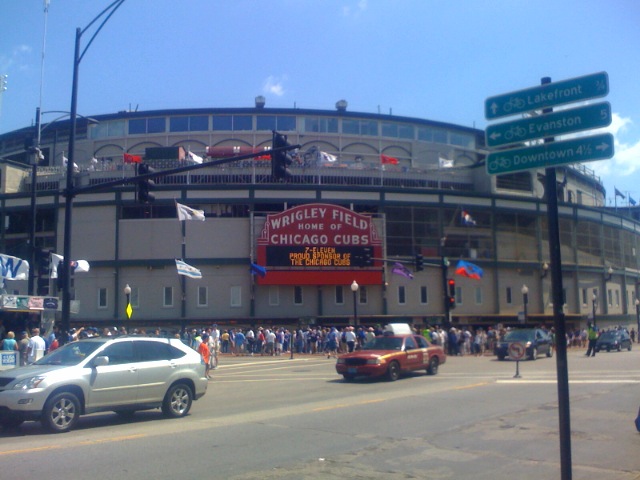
column 121, row 374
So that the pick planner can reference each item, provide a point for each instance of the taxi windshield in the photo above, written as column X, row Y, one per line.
column 384, row 343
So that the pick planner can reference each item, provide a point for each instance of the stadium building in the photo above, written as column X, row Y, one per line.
column 375, row 207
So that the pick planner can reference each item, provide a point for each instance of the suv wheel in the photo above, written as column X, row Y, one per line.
column 61, row 412
column 177, row 402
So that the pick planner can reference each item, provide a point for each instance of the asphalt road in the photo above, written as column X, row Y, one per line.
column 277, row 418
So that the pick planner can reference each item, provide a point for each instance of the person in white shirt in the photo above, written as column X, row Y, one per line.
column 37, row 346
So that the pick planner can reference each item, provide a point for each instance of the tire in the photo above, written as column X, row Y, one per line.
column 393, row 373
column 434, row 363
column 550, row 352
column 177, row 402
column 61, row 412
column 619, row 347
column 534, row 354
column 629, row 347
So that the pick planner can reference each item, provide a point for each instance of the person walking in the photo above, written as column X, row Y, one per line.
column 203, row 350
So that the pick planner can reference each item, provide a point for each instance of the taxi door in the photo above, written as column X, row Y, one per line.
column 415, row 354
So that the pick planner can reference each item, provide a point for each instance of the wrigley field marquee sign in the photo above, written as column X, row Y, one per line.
column 319, row 244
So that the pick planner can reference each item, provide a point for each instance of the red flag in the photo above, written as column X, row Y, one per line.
column 128, row 158
column 385, row 160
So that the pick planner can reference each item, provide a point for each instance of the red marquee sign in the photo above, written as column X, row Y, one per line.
column 319, row 244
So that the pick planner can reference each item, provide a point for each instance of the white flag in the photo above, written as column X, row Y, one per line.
column 187, row 270
column 327, row 157
column 445, row 163
column 13, row 268
column 77, row 266
column 188, row 213
column 65, row 161
column 195, row 158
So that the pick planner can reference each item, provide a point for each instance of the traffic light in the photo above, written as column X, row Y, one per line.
column 281, row 160
column 43, row 261
column 451, row 297
column 145, row 185
column 367, row 257
column 419, row 261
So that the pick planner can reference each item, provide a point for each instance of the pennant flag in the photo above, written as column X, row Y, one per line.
column 77, row 266
column 188, row 213
column 65, row 162
column 632, row 201
column 386, row 160
column 618, row 193
column 327, row 157
column 469, row 270
column 13, row 268
column 195, row 158
column 445, row 163
column 400, row 269
column 467, row 219
column 128, row 158
column 187, row 270
column 257, row 270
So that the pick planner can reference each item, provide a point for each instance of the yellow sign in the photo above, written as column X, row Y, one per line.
column 129, row 311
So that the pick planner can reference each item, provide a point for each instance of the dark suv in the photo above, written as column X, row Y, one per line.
column 121, row 374
column 535, row 341
column 613, row 340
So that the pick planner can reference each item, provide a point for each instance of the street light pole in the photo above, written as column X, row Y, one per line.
column 638, row 319
column 525, row 300
column 127, row 309
column 69, row 192
column 354, row 289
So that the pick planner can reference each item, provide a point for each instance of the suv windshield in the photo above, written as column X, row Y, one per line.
column 70, row 354
column 519, row 335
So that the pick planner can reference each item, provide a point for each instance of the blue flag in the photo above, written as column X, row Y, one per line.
column 619, row 193
column 467, row 269
column 632, row 201
column 258, row 270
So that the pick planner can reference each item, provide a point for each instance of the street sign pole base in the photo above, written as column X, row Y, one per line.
column 517, row 375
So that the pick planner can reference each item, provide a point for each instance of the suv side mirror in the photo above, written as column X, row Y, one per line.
column 101, row 361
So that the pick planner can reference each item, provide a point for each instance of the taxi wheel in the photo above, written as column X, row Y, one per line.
column 432, row 369
column 393, row 373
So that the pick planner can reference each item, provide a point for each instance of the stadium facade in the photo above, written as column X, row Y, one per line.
column 393, row 187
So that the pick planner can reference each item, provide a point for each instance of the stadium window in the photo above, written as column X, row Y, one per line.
column 203, row 296
column 339, row 295
column 235, row 296
column 223, row 122
column 297, row 295
column 424, row 295
column 167, row 297
column 402, row 299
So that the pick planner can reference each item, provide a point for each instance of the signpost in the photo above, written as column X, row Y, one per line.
column 548, row 95
column 596, row 147
column 559, row 123
column 547, row 155
column 517, row 351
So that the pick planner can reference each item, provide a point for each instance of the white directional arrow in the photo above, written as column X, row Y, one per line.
column 494, row 107
column 603, row 146
column 495, row 135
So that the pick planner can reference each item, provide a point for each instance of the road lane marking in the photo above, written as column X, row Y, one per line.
column 570, row 381
column 83, row 443
column 347, row 405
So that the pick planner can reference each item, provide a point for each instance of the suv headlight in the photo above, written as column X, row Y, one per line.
column 29, row 383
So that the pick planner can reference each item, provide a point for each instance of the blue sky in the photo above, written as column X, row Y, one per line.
column 419, row 58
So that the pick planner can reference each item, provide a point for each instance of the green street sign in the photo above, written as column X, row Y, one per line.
column 596, row 147
column 557, row 93
column 550, row 125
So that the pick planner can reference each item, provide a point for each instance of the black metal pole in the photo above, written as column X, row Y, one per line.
column 69, row 194
column 551, row 189
column 637, row 320
column 32, row 231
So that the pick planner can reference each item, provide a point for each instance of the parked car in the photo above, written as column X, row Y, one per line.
column 613, row 340
column 535, row 340
column 121, row 374
column 391, row 355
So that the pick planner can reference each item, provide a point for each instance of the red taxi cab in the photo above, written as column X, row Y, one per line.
column 390, row 355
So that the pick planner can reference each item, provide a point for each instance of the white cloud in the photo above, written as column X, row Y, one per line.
column 274, row 85
column 360, row 7
column 627, row 153
column 16, row 57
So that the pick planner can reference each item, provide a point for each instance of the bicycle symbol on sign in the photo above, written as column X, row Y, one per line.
column 514, row 103
column 515, row 132
column 500, row 163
